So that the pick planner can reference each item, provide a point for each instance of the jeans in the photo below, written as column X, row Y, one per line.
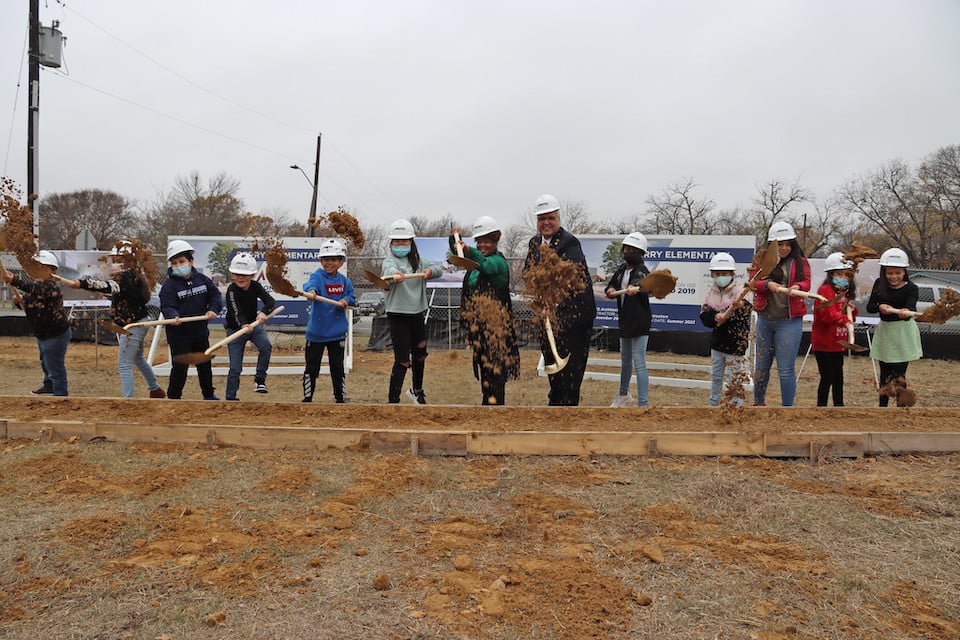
column 725, row 369
column 780, row 338
column 130, row 354
column 261, row 341
column 53, row 355
column 633, row 357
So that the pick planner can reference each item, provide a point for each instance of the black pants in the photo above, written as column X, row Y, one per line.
column 830, row 364
column 178, row 370
column 890, row 371
column 493, row 385
column 313, row 355
column 409, row 335
column 565, row 385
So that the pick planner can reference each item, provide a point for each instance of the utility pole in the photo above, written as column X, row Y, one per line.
column 313, row 201
column 33, row 116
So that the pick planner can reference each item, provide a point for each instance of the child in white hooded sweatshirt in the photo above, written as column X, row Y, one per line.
column 730, row 320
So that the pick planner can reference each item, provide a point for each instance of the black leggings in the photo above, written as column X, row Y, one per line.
column 313, row 355
column 830, row 364
column 409, row 335
column 890, row 371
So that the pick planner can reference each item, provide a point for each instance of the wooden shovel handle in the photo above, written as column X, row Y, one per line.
column 797, row 293
column 236, row 335
column 405, row 276
column 165, row 321
column 335, row 303
column 457, row 241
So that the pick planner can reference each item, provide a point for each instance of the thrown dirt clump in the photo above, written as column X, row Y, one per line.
column 346, row 226
column 898, row 391
column 551, row 280
column 857, row 253
column 276, row 259
column 17, row 229
column 948, row 306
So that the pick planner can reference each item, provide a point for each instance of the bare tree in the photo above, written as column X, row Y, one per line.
column 192, row 208
column 107, row 214
column 776, row 200
column 830, row 227
column 678, row 210
column 911, row 209
column 736, row 222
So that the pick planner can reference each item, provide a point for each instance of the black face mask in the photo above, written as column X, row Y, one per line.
column 633, row 259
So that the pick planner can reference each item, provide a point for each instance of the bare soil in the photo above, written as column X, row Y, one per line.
column 101, row 540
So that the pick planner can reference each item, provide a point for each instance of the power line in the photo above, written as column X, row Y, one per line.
column 16, row 99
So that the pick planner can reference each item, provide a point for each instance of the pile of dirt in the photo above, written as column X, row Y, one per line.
column 490, row 333
column 857, row 253
column 659, row 283
column 276, row 258
column 346, row 226
column 948, row 306
column 17, row 229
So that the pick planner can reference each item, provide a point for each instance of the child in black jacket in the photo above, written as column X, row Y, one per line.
column 243, row 295
column 634, row 319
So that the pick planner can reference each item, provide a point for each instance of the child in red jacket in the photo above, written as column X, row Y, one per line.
column 830, row 327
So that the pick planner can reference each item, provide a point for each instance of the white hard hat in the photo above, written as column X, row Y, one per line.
column 636, row 239
column 333, row 248
column 835, row 261
column 546, row 204
column 176, row 247
column 894, row 258
column 723, row 261
column 123, row 247
column 781, row 230
column 401, row 230
column 47, row 258
column 484, row 225
column 243, row 264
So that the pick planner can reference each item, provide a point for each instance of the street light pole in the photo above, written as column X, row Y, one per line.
column 316, row 178
column 33, row 114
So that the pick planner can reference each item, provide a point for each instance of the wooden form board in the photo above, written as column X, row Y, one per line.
column 815, row 445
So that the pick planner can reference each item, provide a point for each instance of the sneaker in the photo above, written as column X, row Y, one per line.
column 259, row 387
column 211, row 398
column 42, row 391
column 416, row 397
column 307, row 399
column 233, row 399
column 624, row 400
column 158, row 393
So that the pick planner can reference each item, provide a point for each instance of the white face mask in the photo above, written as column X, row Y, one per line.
column 183, row 271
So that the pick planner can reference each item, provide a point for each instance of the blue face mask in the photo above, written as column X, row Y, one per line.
column 841, row 283
column 400, row 251
column 183, row 271
column 723, row 281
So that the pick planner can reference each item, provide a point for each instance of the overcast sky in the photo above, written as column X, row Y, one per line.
column 476, row 107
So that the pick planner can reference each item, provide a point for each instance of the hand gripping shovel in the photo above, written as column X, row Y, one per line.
column 797, row 293
column 850, row 344
column 829, row 303
column 384, row 282
column 206, row 356
column 165, row 321
column 458, row 260
column 558, row 362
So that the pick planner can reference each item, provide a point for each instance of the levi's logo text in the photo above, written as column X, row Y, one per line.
column 334, row 289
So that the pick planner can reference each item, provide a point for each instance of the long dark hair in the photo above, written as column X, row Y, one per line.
column 796, row 254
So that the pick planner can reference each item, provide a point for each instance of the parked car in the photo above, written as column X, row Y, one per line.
column 372, row 303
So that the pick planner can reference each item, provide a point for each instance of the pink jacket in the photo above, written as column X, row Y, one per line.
column 797, row 306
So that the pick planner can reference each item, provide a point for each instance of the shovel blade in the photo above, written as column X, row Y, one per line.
column 377, row 280
column 110, row 326
column 193, row 358
column 768, row 259
column 556, row 367
column 463, row 263
column 853, row 346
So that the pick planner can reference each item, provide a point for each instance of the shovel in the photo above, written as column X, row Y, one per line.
column 660, row 283
column 558, row 362
column 853, row 346
column 458, row 260
column 112, row 326
column 384, row 282
column 766, row 262
column 165, row 321
column 797, row 293
column 206, row 356
column 840, row 296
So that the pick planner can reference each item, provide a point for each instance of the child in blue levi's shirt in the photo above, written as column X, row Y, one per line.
column 327, row 326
